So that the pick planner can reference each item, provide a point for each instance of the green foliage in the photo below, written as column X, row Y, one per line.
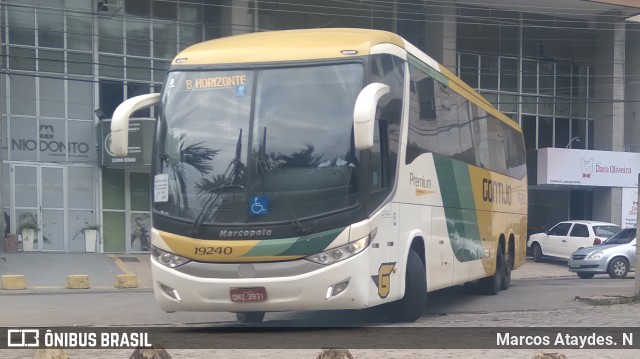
column 28, row 225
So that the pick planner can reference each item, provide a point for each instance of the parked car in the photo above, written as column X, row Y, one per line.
column 616, row 256
column 566, row 237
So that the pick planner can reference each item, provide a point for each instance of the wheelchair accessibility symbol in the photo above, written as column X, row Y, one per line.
column 259, row 205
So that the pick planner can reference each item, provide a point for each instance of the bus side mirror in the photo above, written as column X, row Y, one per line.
column 120, row 120
column 364, row 114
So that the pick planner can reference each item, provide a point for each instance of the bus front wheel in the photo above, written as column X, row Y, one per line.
column 411, row 307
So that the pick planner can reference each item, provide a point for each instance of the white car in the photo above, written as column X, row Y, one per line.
column 566, row 237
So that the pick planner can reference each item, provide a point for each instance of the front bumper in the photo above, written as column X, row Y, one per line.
column 588, row 266
column 305, row 291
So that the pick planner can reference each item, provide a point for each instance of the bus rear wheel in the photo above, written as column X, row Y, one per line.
column 508, row 266
column 492, row 285
column 411, row 307
column 250, row 317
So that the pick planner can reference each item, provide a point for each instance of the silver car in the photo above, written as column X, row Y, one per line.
column 616, row 256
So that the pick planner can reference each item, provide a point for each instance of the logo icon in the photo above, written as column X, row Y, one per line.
column 587, row 167
column 23, row 338
column 383, row 279
column 241, row 91
column 259, row 205
column 107, row 145
column 46, row 132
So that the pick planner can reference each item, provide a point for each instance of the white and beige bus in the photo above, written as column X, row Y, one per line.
column 326, row 169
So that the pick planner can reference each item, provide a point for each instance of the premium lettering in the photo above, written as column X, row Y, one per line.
column 421, row 182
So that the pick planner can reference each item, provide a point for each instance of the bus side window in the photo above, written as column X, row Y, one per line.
column 426, row 99
column 378, row 158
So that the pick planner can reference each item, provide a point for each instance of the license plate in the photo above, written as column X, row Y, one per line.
column 248, row 295
column 575, row 265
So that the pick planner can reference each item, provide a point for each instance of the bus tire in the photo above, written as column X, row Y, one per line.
column 411, row 307
column 492, row 285
column 508, row 266
column 250, row 317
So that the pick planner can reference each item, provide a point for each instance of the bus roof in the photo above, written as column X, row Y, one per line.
column 287, row 45
column 313, row 44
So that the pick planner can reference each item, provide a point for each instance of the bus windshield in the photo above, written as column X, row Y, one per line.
column 257, row 146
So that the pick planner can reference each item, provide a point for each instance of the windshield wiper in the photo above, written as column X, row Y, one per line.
column 211, row 200
column 233, row 171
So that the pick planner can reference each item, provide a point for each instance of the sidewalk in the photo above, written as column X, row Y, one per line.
column 44, row 271
column 549, row 268
column 49, row 271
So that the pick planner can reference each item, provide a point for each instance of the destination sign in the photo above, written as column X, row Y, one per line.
column 213, row 82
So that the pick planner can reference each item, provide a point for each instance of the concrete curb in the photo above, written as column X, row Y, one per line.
column 607, row 300
column 74, row 281
column 13, row 282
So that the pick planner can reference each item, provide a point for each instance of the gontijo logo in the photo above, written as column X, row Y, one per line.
column 496, row 192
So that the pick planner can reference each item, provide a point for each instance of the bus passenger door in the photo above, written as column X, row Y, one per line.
column 439, row 255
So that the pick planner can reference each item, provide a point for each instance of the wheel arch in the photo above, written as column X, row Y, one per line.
column 416, row 241
column 622, row 256
column 511, row 249
column 500, row 247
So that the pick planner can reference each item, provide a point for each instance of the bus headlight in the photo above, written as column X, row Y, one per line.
column 340, row 253
column 168, row 259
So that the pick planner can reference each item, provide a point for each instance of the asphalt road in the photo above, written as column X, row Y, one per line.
column 137, row 307
column 529, row 302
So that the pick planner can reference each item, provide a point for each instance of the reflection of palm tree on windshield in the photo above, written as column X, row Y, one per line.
column 210, row 189
column 233, row 176
column 177, row 155
column 302, row 158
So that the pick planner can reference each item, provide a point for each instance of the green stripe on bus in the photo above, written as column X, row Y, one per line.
column 305, row 245
column 428, row 69
column 271, row 247
column 459, row 208
column 313, row 243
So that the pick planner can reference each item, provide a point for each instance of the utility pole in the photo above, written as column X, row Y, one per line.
column 2, row 99
column 637, row 292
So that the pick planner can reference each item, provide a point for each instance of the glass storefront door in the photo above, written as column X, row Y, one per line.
column 126, row 210
column 39, row 198
column 52, row 208
column 59, row 200
column 139, row 212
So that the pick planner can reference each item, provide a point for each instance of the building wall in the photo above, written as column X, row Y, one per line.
column 65, row 59
column 69, row 63
column 632, row 88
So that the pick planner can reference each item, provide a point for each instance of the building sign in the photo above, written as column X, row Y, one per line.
column 54, row 141
column 140, row 144
column 559, row 166
column 629, row 216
